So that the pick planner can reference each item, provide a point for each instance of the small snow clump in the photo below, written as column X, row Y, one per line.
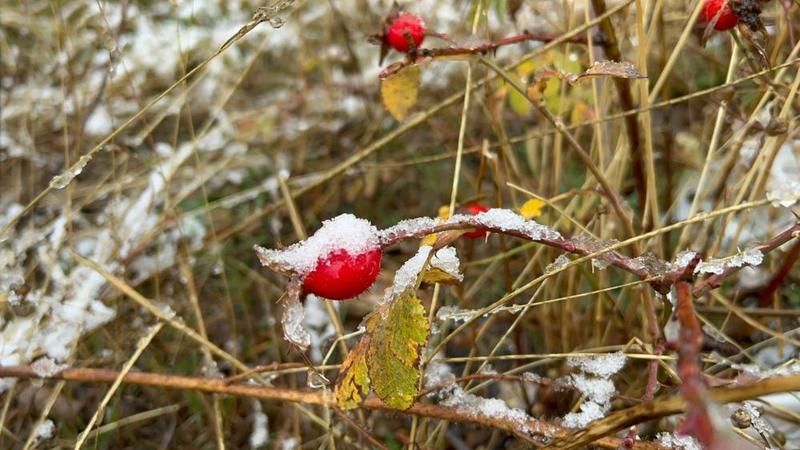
column 603, row 366
column 45, row 367
column 44, row 431
column 749, row 257
column 260, row 433
column 595, row 385
column 785, row 194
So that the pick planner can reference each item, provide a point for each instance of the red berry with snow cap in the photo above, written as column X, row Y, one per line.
column 342, row 275
column 403, row 23
column 727, row 18
column 475, row 209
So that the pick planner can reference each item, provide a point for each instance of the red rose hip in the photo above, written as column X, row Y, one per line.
column 475, row 209
column 395, row 35
column 341, row 276
column 727, row 18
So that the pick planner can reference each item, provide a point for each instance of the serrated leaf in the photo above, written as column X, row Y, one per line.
column 352, row 384
column 398, row 334
column 531, row 209
column 399, row 91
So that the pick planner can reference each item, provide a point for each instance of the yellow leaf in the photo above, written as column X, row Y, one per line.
column 444, row 212
column 434, row 275
column 531, row 209
column 399, row 332
column 399, row 91
column 352, row 384
column 429, row 240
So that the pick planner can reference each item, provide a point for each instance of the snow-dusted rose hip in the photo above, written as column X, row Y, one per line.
column 342, row 275
column 340, row 261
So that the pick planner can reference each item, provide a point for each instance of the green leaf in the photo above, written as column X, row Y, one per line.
column 399, row 91
column 352, row 385
column 398, row 331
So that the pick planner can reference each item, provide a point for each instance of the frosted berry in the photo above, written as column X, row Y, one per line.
column 395, row 35
column 341, row 275
column 475, row 209
column 727, row 18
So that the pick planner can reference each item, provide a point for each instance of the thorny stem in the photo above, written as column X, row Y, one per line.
column 619, row 420
column 482, row 49
column 309, row 397
column 693, row 387
column 660, row 279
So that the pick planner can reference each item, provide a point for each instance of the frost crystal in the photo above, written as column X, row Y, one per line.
column 345, row 232
column 676, row 442
column 595, row 387
column 507, row 220
column 292, row 322
column 749, row 257
column 785, row 194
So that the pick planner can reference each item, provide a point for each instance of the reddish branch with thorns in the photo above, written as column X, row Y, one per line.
column 693, row 390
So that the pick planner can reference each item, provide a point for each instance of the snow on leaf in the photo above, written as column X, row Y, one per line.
column 399, row 332
column 531, row 209
column 399, row 91
column 444, row 263
column 352, row 385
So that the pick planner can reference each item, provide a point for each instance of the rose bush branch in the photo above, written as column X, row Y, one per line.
column 423, row 54
column 308, row 397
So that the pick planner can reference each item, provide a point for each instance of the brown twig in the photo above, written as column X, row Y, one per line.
column 219, row 386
